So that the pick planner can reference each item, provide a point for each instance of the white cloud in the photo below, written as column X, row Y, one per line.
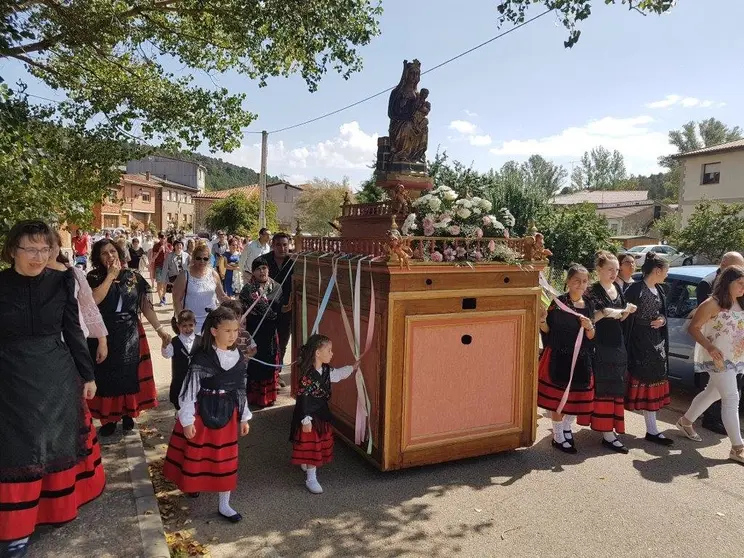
column 463, row 126
column 470, row 114
column 351, row 149
column 639, row 144
column 480, row 141
column 685, row 102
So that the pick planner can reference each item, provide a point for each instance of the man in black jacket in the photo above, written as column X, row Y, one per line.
column 280, row 267
column 712, row 417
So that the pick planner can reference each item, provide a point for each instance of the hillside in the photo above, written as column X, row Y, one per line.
column 221, row 175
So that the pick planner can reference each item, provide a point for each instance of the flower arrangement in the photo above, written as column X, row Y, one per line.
column 443, row 213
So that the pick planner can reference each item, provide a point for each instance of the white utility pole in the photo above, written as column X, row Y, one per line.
column 262, row 179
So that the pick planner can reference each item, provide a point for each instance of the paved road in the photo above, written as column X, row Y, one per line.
column 687, row 501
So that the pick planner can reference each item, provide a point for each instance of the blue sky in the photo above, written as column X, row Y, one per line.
column 628, row 81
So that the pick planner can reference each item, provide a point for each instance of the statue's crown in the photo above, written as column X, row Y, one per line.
column 415, row 63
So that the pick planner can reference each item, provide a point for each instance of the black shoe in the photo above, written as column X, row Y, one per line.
column 127, row 424
column 613, row 447
column 107, row 429
column 564, row 449
column 571, row 439
column 232, row 518
column 658, row 439
column 192, row 494
column 716, row 427
column 282, row 383
column 17, row 551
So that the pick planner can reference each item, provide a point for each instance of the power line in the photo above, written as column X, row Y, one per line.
column 481, row 45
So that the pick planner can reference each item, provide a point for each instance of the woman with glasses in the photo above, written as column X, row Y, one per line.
column 625, row 274
column 49, row 457
column 125, row 379
column 198, row 288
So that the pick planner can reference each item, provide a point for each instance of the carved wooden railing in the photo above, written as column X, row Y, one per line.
column 424, row 248
column 366, row 209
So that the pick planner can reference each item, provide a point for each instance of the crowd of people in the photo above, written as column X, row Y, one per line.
column 606, row 350
column 73, row 348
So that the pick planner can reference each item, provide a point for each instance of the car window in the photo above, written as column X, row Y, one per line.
column 670, row 250
column 637, row 249
column 681, row 298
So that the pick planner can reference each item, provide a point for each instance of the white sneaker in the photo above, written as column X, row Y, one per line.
column 734, row 455
column 314, row 486
column 303, row 467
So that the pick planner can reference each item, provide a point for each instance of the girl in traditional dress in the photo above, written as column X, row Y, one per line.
column 610, row 357
column 181, row 349
column 50, row 461
column 562, row 329
column 647, row 343
column 202, row 454
column 125, row 379
column 311, row 434
column 718, row 328
column 263, row 378
column 625, row 274
column 245, row 344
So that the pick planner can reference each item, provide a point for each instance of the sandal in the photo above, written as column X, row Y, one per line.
column 737, row 455
column 688, row 431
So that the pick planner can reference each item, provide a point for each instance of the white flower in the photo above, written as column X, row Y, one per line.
column 463, row 213
column 450, row 195
column 496, row 224
column 422, row 200
column 441, row 224
column 487, row 205
column 476, row 210
column 435, row 204
column 409, row 224
column 475, row 200
column 464, row 203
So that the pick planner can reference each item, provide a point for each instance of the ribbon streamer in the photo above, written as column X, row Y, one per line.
column 304, row 299
column 553, row 295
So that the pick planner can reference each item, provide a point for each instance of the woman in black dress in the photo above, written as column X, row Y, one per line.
column 610, row 357
column 50, row 461
column 125, row 379
column 263, row 379
column 561, row 330
column 647, row 342
column 624, row 277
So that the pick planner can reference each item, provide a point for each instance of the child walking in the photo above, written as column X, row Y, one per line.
column 245, row 344
column 202, row 454
column 311, row 434
column 181, row 349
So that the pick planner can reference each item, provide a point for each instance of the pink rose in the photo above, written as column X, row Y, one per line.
column 449, row 254
column 436, row 256
column 427, row 222
column 454, row 230
column 428, row 231
column 478, row 256
column 492, row 246
column 506, row 233
column 461, row 252
column 487, row 221
column 479, row 233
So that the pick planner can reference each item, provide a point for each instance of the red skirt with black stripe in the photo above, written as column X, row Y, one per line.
column 263, row 393
column 647, row 397
column 608, row 415
column 580, row 401
column 206, row 463
column 312, row 448
column 111, row 409
column 53, row 499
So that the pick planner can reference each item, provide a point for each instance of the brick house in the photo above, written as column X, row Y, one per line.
column 176, row 203
column 135, row 197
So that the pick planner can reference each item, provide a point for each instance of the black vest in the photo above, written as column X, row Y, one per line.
column 180, row 366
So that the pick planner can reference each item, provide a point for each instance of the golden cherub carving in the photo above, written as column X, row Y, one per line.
column 540, row 252
column 401, row 202
column 397, row 250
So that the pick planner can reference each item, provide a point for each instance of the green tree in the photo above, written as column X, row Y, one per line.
column 370, row 192
column 572, row 12
column 48, row 171
column 113, row 58
column 238, row 214
column 319, row 205
column 713, row 230
column 575, row 234
column 668, row 227
column 600, row 169
column 544, row 175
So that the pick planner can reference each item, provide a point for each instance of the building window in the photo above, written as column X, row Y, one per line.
column 614, row 228
column 184, row 218
column 145, row 197
column 170, row 217
column 169, row 195
column 113, row 195
column 711, row 173
column 188, row 199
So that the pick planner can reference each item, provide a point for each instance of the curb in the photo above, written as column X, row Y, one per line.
column 150, row 524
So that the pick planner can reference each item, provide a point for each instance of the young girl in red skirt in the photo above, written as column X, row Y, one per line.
column 610, row 357
column 311, row 434
column 561, row 329
column 202, row 454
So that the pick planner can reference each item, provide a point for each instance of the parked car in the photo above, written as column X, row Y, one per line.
column 669, row 253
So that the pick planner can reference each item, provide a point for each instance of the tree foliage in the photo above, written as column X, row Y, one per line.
column 713, row 230
column 572, row 12
column 575, row 234
column 48, row 171
column 600, row 169
column 319, row 204
column 112, row 58
column 544, row 175
column 238, row 214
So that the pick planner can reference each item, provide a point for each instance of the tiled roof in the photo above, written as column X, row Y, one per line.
column 601, row 197
column 154, row 182
column 222, row 194
column 720, row 148
column 622, row 212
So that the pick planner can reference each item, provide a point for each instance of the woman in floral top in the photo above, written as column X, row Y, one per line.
column 718, row 328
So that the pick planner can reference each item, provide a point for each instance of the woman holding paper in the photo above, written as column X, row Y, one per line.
column 718, row 328
column 647, row 343
column 564, row 388
column 610, row 356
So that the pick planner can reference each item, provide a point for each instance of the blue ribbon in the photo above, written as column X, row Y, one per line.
column 323, row 304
